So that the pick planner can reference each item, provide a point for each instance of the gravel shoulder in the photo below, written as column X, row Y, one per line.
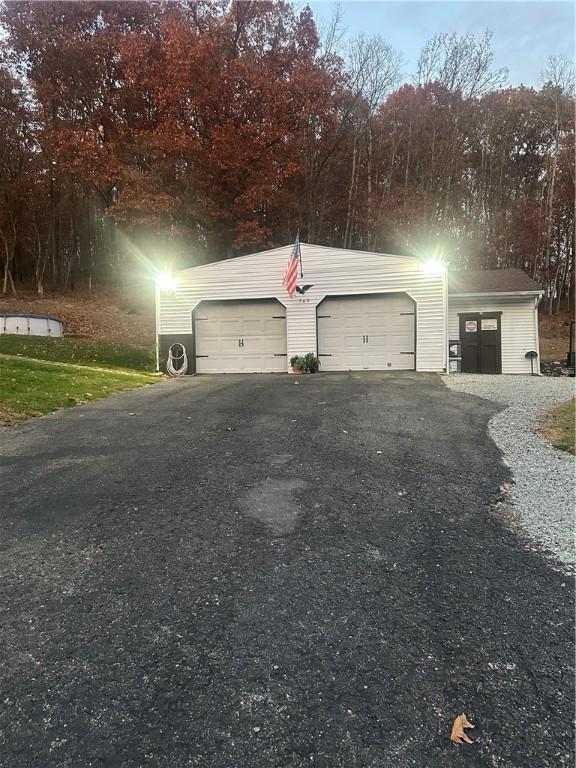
column 541, row 500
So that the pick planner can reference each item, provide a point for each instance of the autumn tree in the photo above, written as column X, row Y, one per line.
column 134, row 132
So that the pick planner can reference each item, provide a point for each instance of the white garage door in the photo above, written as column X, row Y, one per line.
column 240, row 337
column 367, row 333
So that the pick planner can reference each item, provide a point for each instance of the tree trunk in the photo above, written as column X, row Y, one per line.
column 549, row 219
column 369, row 221
column 9, row 256
column 407, row 169
column 351, row 192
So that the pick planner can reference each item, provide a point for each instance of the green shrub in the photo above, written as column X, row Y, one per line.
column 311, row 363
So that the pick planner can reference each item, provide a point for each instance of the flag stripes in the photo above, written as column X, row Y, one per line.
column 291, row 271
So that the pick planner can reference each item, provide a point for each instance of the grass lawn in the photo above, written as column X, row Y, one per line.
column 559, row 426
column 70, row 349
column 28, row 388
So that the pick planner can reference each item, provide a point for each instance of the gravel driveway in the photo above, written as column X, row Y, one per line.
column 541, row 501
column 263, row 572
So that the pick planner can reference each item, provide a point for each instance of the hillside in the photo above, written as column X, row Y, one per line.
column 103, row 317
column 108, row 347
column 555, row 334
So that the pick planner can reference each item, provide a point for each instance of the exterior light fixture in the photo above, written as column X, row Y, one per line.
column 166, row 282
column 433, row 267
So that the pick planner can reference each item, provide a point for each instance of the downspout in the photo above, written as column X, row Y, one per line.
column 157, row 336
column 445, row 301
column 537, row 301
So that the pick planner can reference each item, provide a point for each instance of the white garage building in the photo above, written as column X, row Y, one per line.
column 355, row 310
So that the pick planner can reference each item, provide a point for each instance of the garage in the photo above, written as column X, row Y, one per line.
column 355, row 310
column 373, row 333
column 240, row 337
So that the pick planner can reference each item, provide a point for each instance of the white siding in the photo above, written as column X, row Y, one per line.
column 519, row 328
column 331, row 272
column 300, row 327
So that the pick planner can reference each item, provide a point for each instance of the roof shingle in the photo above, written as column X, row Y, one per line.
column 491, row 281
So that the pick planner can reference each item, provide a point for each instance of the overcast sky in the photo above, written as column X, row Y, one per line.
column 526, row 32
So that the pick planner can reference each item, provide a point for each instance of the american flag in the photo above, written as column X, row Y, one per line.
column 291, row 271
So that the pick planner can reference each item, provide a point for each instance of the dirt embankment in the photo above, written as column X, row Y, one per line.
column 104, row 317
column 554, row 333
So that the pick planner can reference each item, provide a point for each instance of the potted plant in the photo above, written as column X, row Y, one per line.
column 297, row 364
column 311, row 363
column 308, row 363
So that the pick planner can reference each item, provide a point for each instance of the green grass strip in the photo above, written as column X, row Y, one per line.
column 559, row 426
column 81, row 351
column 32, row 388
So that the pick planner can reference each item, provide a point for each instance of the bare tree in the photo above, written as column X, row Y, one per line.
column 559, row 73
column 558, row 86
column 374, row 70
column 462, row 63
column 332, row 32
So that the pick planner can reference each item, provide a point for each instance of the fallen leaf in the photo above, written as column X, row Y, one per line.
column 458, row 735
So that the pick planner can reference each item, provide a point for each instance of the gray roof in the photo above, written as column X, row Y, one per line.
column 491, row 281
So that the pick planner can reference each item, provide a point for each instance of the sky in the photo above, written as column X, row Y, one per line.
column 526, row 32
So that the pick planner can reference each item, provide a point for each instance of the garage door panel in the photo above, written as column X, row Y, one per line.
column 274, row 327
column 228, row 327
column 393, row 361
column 210, row 327
column 239, row 364
column 225, row 345
column 339, row 339
column 367, row 332
column 262, row 327
column 264, row 345
column 401, row 342
column 240, row 337
column 251, row 326
column 339, row 362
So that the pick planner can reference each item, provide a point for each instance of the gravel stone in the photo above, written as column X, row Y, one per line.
column 541, row 501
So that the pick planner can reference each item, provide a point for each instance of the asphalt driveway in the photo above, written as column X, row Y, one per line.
column 259, row 572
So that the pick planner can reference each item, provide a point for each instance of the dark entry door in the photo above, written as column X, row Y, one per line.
column 481, row 342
